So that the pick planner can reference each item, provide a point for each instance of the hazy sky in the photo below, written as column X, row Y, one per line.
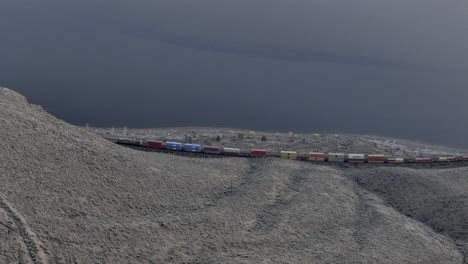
column 385, row 67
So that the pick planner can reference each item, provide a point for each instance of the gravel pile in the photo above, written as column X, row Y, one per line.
column 69, row 196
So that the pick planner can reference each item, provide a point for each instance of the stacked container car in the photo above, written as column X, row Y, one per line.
column 442, row 159
column 192, row 148
column 292, row 155
column 231, row 152
column 154, row 144
column 173, row 145
column 423, row 160
column 376, row 158
column 395, row 160
column 356, row 158
column 316, row 156
column 336, row 157
column 212, row 150
column 258, row 153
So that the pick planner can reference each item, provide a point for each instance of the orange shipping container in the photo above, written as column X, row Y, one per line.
column 316, row 156
column 376, row 158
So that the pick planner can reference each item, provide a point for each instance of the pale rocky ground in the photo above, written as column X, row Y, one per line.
column 69, row 196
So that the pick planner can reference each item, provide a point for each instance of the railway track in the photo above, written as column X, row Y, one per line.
column 303, row 158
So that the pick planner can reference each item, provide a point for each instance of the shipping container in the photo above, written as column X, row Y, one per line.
column 356, row 158
column 376, row 158
column 258, row 152
column 316, row 156
column 442, row 159
column 465, row 158
column 173, row 145
column 423, row 160
column 192, row 147
column 231, row 151
column 212, row 150
column 451, row 159
column 292, row 155
column 336, row 157
column 395, row 160
column 154, row 144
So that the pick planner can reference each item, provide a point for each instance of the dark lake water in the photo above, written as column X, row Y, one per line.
column 393, row 68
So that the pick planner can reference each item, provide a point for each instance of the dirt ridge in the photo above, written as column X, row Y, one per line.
column 30, row 241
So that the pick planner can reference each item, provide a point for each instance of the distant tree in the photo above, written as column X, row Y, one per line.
column 277, row 136
column 218, row 138
column 112, row 131
column 264, row 138
column 240, row 136
column 252, row 133
column 189, row 139
column 125, row 130
column 316, row 135
column 87, row 126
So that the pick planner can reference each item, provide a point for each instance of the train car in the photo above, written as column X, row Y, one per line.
column 451, row 159
column 129, row 141
column 292, row 155
column 258, row 153
column 395, row 160
column 465, row 158
column 336, row 157
column 316, row 156
column 442, row 159
column 231, row 151
column 423, row 160
column 173, row 145
column 376, row 158
column 154, row 144
column 192, row 148
column 212, row 150
column 356, row 158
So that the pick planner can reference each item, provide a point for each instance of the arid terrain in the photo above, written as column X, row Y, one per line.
column 67, row 195
column 275, row 142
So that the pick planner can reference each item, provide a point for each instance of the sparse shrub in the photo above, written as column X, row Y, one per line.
column 277, row 136
column 218, row 138
column 264, row 138
column 189, row 139
column 252, row 133
column 316, row 135
column 240, row 136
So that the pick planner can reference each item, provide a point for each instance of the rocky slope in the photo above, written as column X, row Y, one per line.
column 69, row 196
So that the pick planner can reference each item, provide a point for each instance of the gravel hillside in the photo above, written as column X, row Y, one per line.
column 70, row 196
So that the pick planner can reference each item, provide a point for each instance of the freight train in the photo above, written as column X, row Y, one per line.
column 285, row 154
